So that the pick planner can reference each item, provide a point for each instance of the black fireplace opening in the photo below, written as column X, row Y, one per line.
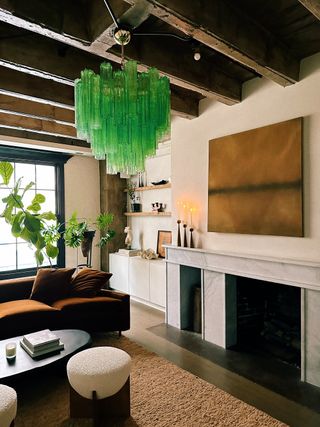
column 269, row 319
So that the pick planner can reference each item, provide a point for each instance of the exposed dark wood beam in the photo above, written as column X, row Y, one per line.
column 230, row 31
column 183, row 103
column 36, row 124
column 28, row 135
column 33, row 109
column 313, row 6
column 35, row 88
column 206, row 79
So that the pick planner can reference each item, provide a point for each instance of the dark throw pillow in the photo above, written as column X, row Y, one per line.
column 51, row 284
column 88, row 282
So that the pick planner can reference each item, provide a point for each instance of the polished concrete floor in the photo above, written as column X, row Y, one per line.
column 144, row 324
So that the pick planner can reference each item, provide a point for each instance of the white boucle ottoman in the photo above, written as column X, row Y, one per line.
column 99, row 380
column 8, row 406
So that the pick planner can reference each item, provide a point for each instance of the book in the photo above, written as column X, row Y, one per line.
column 36, row 340
column 129, row 252
column 57, row 347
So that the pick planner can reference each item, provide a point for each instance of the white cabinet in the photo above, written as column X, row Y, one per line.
column 119, row 266
column 139, row 278
column 144, row 280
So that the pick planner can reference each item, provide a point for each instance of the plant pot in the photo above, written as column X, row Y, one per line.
column 86, row 244
column 135, row 207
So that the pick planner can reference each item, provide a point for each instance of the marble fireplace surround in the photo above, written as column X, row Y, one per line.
column 217, row 271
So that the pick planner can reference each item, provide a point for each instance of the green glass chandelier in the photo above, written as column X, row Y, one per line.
column 123, row 114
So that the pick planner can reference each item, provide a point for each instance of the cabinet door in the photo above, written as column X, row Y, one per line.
column 139, row 278
column 158, row 283
column 119, row 266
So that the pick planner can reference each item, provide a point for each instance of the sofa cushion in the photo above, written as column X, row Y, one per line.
column 77, row 303
column 51, row 284
column 23, row 306
column 88, row 282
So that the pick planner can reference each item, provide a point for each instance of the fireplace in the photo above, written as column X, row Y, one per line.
column 269, row 289
column 269, row 319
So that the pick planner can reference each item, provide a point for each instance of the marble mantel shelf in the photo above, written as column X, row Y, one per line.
column 301, row 273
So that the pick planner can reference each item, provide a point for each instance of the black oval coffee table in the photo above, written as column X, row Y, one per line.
column 74, row 340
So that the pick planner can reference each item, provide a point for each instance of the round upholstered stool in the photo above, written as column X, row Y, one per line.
column 8, row 406
column 100, row 387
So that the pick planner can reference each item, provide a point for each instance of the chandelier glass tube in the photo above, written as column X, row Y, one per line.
column 123, row 114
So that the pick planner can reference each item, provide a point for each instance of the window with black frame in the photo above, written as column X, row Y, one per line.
column 46, row 170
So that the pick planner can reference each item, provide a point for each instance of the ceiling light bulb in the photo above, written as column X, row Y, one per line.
column 197, row 56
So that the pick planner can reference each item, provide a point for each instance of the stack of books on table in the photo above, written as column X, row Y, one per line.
column 41, row 343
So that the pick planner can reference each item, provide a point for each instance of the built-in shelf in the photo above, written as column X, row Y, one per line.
column 148, row 213
column 152, row 187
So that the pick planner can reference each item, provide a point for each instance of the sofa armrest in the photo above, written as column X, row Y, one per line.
column 16, row 289
column 114, row 294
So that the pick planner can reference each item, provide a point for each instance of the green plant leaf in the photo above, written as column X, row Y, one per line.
column 17, row 224
column 6, row 171
column 39, row 257
column 38, row 198
column 27, row 187
column 52, row 251
column 34, row 207
column 32, row 223
column 40, row 243
column 49, row 216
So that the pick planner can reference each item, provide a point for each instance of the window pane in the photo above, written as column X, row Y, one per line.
column 26, row 257
column 26, row 172
column 5, row 232
column 50, row 203
column 45, row 177
column 7, row 257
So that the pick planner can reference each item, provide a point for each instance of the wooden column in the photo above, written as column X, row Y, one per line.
column 113, row 199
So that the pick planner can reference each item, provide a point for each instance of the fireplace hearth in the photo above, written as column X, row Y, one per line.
column 269, row 319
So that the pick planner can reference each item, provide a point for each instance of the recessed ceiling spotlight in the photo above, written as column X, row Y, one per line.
column 197, row 55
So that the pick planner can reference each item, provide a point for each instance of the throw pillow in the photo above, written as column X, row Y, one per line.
column 51, row 284
column 88, row 282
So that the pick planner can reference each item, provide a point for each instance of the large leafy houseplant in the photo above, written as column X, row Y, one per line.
column 39, row 229
column 77, row 230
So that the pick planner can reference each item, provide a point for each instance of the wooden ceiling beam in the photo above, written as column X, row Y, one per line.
column 35, row 88
column 203, row 78
column 34, row 109
column 313, row 6
column 230, row 31
column 36, row 124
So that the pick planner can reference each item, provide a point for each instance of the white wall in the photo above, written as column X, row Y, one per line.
column 264, row 103
column 82, row 194
column 144, row 228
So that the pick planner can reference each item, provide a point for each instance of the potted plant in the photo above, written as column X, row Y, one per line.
column 39, row 229
column 135, row 201
column 81, row 233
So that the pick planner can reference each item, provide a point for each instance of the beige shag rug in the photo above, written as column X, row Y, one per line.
column 162, row 395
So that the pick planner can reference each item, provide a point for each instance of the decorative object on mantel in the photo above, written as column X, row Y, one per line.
column 179, row 235
column 164, row 238
column 191, row 238
column 185, row 242
column 128, row 239
column 148, row 254
column 123, row 114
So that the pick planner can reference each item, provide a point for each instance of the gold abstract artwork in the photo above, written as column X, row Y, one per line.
column 255, row 181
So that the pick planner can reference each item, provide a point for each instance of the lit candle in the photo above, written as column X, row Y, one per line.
column 185, row 213
column 191, row 210
column 11, row 350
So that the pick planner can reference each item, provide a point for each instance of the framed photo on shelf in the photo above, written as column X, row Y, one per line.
column 164, row 238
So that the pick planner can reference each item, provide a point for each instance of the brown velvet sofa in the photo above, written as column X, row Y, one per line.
column 108, row 311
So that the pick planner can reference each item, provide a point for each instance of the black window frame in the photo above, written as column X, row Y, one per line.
column 48, row 158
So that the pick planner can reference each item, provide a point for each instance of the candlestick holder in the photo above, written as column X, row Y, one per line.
column 191, row 238
column 179, row 235
column 185, row 243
